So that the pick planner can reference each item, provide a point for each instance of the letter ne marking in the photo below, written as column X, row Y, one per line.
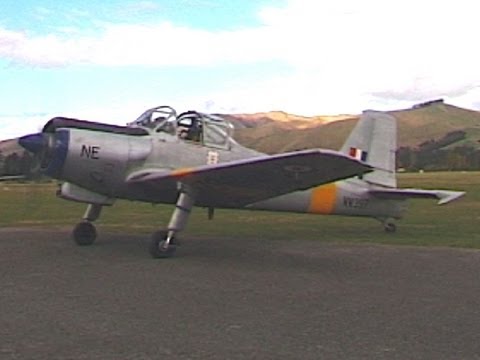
column 90, row 152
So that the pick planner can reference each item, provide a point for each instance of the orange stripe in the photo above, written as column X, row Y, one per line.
column 181, row 172
column 323, row 199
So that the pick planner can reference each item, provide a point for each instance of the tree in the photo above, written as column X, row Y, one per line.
column 12, row 164
column 2, row 163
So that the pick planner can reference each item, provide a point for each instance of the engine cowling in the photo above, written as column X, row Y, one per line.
column 94, row 160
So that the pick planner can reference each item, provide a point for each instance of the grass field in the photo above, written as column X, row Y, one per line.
column 426, row 224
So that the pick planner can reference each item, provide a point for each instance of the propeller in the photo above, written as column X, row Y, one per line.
column 39, row 145
column 34, row 143
column 49, row 150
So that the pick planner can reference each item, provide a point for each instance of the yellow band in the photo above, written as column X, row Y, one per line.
column 323, row 199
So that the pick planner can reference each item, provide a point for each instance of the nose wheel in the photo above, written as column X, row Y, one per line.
column 84, row 233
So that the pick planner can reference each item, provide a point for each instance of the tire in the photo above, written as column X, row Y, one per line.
column 156, row 246
column 84, row 234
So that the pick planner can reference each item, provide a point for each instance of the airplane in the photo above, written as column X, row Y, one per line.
column 191, row 159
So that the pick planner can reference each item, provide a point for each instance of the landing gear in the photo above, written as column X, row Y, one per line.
column 389, row 226
column 159, row 247
column 162, row 243
column 84, row 233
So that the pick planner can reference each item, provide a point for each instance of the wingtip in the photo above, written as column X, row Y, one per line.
column 449, row 196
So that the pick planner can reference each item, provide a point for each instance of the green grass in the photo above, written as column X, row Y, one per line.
column 425, row 223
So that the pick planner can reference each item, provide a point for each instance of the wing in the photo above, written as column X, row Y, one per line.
column 242, row 182
column 443, row 196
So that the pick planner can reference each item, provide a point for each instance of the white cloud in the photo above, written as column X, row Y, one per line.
column 305, row 33
column 342, row 54
column 349, row 53
column 14, row 126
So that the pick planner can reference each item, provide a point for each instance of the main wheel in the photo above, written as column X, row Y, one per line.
column 84, row 233
column 157, row 242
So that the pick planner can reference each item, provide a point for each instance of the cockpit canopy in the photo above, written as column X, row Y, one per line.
column 154, row 117
column 207, row 129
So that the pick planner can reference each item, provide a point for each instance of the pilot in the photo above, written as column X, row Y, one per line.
column 182, row 132
column 195, row 131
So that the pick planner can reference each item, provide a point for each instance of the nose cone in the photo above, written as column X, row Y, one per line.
column 33, row 143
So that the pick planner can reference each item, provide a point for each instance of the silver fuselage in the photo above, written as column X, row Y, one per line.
column 101, row 163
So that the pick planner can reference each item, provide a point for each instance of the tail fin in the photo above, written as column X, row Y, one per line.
column 374, row 141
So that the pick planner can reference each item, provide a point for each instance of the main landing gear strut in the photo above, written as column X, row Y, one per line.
column 162, row 243
column 84, row 232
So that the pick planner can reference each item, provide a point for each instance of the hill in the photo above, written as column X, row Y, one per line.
column 280, row 119
column 278, row 131
column 432, row 122
column 416, row 126
column 8, row 147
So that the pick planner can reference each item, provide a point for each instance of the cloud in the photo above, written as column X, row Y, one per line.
column 303, row 33
column 42, row 51
column 13, row 126
column 16, row 125
column 124, row 45
column 338, row 52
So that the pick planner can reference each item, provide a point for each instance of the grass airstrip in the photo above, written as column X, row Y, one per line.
column 426, row 224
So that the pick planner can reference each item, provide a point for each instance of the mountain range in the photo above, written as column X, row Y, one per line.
column 278, row 131
column 423, row 123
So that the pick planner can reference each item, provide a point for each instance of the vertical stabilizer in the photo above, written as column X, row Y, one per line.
column 374, row 141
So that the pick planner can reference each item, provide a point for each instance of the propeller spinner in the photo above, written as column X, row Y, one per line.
column 35, row 143
column 50, row 150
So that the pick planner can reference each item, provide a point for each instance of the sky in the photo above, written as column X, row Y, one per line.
column 111, row 60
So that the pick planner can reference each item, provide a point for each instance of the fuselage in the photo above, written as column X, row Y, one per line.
column 101, row 163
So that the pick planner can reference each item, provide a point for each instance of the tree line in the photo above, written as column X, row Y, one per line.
column 17, row 164
column 442, row 154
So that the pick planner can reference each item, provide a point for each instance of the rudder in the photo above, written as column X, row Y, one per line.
column 374, row 141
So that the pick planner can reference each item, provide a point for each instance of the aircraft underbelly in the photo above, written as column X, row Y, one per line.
column 164, row 194
column 293, row 202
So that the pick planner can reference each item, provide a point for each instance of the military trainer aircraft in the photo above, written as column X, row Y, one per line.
column 192, row 159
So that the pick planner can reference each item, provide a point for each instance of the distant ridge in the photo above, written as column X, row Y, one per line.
column 416, row 125
column 278, row 131
column 281, row 119
column 8, row 147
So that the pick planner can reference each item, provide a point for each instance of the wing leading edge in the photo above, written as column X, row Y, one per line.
column 242, row 182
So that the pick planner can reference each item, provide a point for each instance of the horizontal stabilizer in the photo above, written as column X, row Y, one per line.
column 444, row 196
column 12, row 177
